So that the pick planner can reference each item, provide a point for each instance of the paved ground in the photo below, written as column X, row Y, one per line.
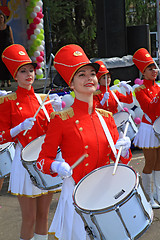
column 10, row 217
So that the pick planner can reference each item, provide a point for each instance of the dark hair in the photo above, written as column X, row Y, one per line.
column 5, row 18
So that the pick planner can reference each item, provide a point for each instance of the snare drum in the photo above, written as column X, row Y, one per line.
column 156, row 127
column 120, row 119
column 29, row 156
column 7, row 152
column 112, row 206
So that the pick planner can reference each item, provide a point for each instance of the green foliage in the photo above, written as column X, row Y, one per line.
column 139, row 12
column 75, row 22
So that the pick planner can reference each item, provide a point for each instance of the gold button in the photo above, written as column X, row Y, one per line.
column 81, row 129
column 20, row 108
column 86, row 147
column 87, row 155
column 77, row 121
column 3, row 132
column 86, row 165
column 30, row 137
column 109, row 146
column 41, row 125
column 17, row 103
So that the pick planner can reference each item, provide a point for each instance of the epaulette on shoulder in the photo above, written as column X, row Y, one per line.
column 11, row 96
column 104, row 112
column 139, row 88
column 97, row 92
column 64, row 115
column 114, row 90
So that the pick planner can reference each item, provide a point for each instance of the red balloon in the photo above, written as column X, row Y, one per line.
column 36, row 20
column 38, row 65
column 32, row 26
column 39, row 59
column 40, row 15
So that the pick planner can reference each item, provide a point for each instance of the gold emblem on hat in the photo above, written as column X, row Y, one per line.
column 77, row 53
column 21, row 53
column 102, row 66
column 147, row 55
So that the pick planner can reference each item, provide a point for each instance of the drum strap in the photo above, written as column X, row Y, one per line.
column 107, row 133
column 116, row 98
column 43, row 107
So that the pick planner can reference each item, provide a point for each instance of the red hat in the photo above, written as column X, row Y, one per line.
column 14, row 57
column 142, row 59
column 69, row 59
column 102, row 70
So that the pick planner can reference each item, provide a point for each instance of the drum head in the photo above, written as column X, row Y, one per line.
column 4, row 146
column 120, row 118
column 156, row 125
column 32, row 150
column 101, row 189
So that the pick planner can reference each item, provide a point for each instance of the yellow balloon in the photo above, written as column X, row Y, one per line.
column 116, row 81
column 72, row 94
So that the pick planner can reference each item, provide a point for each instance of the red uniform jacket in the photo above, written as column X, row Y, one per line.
column 112, row 103
column 15, row 108
column 148, row 96
column 77, row 133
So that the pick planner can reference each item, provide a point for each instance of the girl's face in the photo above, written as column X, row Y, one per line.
column 84, row 82
column 25, row 76
column 102, row 80
column 150, row 73
column 1, row 19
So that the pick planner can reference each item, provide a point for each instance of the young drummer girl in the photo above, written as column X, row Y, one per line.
column 78, row 131
column 109, row 100
column 17, row 111
column 148, row 96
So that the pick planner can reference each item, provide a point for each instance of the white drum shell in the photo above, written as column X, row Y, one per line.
column 120, row 119
column 156, row 127
column 107, row 223
column 29, row 156
column 7, row 152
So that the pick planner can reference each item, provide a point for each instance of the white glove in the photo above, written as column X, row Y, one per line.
column 105, row 98
column 125, row 85
column 25, row 125
column 125, row 142
column 62, row 168
column 57, row 103
column 3, row 93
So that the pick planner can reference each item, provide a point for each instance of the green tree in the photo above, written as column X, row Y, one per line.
column 139, row 12
column 71, row 22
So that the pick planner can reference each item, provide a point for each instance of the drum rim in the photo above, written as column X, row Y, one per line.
column 28, row 145
column 120, row 113
column 10, row 144
column 112, row 207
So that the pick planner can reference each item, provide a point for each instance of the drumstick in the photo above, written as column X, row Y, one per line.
column 41, row 105
column 52, row 100
column 78, row 161
column 120, row 150
column 106, row 87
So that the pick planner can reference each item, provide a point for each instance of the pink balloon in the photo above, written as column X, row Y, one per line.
column 137, row 120
column 137, row 81
column 63, row 104
column 125, row 109
column 42, row 53
column 98, row 87
column 39, row 59
column 38, row 65
column 36, row 20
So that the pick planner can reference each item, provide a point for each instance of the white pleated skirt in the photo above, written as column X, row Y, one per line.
column 67, row 223
column 146, row 138
column 20, row 182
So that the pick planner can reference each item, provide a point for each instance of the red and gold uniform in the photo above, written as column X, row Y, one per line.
column 112, row 103
column 15, row 108
column 148, row 96
column 18, row 106
column 77, row 133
